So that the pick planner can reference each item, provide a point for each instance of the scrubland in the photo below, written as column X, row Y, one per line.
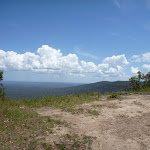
column 90, row 121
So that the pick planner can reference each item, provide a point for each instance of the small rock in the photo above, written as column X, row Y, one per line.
column 22, row 107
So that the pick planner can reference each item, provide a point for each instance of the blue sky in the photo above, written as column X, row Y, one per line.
column 98, row 39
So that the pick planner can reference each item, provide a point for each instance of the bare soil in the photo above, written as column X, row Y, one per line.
column 122, row 124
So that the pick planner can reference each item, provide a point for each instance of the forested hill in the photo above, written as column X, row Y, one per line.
column 34, row 90
column 104, row 86
column 101, row 87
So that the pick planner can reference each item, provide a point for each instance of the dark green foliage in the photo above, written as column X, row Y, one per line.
column 140, row 81
column 146, row 80
column 38, row 90
column 134, row 83
column 2, row 92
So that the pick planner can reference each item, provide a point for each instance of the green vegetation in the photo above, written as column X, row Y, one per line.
column 81, row 110
column 62, row 102
column 141, row 82
column 97, row 106
column 113, row 96
column 2, row 92
column 75, row 111
column 71, row 142
column 21, row 126
column 93, row 112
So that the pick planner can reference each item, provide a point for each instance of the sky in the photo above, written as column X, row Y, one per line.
column 81, row 41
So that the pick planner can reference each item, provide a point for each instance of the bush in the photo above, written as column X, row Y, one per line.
column 113, row 96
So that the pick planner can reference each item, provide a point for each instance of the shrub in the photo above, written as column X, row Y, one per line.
column 113, row 96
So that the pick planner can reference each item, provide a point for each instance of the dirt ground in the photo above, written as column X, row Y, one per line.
column 122, row 124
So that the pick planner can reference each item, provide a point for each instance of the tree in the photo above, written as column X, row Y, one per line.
column 140, row 81
column 134, row 83
column 139, row 75
column 146, row 79
column 2, row 92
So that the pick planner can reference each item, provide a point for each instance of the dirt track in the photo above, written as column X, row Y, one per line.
column 121, row 124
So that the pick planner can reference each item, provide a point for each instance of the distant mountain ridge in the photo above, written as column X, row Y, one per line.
column 40, row 89
column 102, row 87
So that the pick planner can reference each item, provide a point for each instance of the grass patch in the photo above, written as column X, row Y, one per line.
column 74, row 111
column 97, row 106
column 46, row 146
column 142, row 90
column 92, row 112
column 52, row 101
column 113, row 96
column 20, row 127
column 71, row 142
column 81, row 110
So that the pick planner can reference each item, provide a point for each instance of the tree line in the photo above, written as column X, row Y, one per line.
column 140, row 81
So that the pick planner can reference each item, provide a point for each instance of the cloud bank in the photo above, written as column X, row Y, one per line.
column 49, row 60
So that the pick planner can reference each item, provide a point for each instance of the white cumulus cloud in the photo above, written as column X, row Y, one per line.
column 116, row 60
column 146, row 67
column 134, row 69
column 141, row 58
column 48, row 59
column 146, row 57
column 88, row 66
column 136, row 58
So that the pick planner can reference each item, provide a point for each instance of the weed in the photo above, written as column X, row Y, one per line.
column 75, row 111
column 88, row 139
column 97, row 106
column 46, row 146
column 97, row 94
column 92, row 112
column 113, row 96
column 80, row 110
column 61, row 146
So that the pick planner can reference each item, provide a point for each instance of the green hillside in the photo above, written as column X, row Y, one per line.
column 34, row 90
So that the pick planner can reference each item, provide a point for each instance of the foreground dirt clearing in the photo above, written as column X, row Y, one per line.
column 122, row 124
